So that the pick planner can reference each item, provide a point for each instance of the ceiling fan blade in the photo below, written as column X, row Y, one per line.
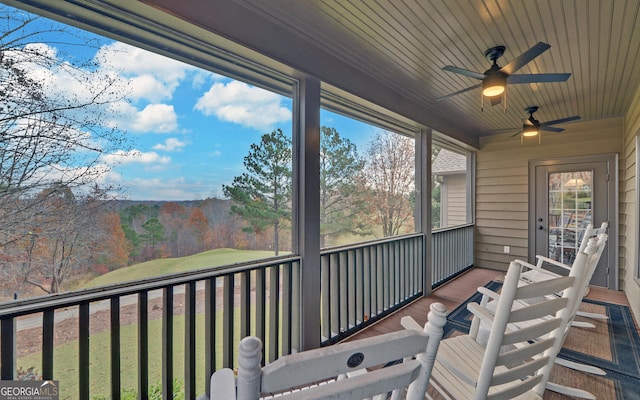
column 551, row 129
column 524, row 58
column 465, row 72
column 516, row 134
column 560, row 121
column 458, row 92
column 538, row 78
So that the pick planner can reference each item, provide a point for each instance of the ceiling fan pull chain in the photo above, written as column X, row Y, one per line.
column 505, row 101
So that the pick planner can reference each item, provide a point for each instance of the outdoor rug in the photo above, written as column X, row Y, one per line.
column 613, row 345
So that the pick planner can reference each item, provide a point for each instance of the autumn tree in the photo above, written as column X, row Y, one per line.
column 262, row 195
column 54, row 119
column 390, row 172
column 198, row 226
column 342, row 205
column 61, row 237
column 173, row 217
column 111, row 248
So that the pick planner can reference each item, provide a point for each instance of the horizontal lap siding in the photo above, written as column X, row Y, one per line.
column 502, row 191
column 628, row 208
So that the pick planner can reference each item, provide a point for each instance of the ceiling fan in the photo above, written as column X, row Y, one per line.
column 531, row 127
column 495, row 79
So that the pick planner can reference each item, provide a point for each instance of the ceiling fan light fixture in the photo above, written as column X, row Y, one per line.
column 529, row 130
column 493, row 85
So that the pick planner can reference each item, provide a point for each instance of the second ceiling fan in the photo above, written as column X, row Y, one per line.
column 495, row 79
column 531, row 127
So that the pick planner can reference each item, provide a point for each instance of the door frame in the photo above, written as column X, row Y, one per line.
column 612, row 161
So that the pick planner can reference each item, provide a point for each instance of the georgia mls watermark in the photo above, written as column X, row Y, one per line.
column 29, row 390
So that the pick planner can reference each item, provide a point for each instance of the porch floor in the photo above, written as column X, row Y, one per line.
column 453, row 293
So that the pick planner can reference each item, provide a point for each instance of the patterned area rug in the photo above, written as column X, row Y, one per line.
column 613, row 345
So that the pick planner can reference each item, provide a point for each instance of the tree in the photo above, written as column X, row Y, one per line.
column 341, row 203
column 390, row 174
column 153, row 234
column 49, row 135
column 60, row 242
column 199, row 228
column 262, row 195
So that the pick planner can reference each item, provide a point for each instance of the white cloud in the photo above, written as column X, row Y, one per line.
column 122, row 157
column 243, row 104
column 159, row 118
column 151, row 76
column 171, row 144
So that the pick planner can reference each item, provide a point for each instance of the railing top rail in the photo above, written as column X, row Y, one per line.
column 37, row 304
column 453, row 228
column 360, row 245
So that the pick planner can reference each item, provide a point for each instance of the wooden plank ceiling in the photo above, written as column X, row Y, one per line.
column 405, row 44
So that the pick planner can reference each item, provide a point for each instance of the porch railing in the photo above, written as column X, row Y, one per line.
column 251, row 298
column 452, row 252
column 364, row 282
column 213, row 309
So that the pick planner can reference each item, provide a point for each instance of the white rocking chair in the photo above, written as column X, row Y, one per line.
column 538, row 272
column 465, row 369
column 582, row 268
column 342, row 371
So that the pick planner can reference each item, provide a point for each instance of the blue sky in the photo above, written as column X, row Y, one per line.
column 189, row 128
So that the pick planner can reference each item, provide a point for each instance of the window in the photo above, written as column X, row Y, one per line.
column 451, row 182
column 139, row 157
column 367, row 176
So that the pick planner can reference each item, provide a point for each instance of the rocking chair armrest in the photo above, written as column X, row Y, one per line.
column 488, row 293
column 480, row 312
column 537, row 268
column 223, row 385
column 554, row 262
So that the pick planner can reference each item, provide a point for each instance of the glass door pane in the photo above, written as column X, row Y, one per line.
column 570, row 211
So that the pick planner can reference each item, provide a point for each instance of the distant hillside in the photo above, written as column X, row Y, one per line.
column 165, row 266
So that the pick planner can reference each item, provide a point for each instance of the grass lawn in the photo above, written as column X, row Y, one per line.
column 66, row 355
column 66, row 359
column 165, row 266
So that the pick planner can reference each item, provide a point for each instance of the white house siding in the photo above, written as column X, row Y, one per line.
column 629, row 230
column 502, row 183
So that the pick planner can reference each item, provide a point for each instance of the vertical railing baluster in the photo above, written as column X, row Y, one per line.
column 48, row 321
column 334, row 291
column 295, row 306
column 115, row 347
column 359, row 282
column 245, row 304
column 325, row 296
column 351, row 278
column 274, row 311
column 83, row 350
column 379, row 263
column 209, row 332
column 261, row 307
column 167, row 343
column 367, row 291
column 343, row 268
column 287, row 317
column 8, row 348
column 190, row 340
column 227, row 321
column 143, row 345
